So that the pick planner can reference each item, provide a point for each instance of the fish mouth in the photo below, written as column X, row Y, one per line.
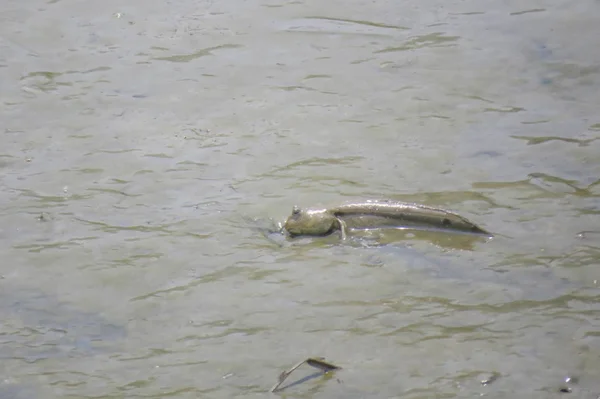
column 294, row 234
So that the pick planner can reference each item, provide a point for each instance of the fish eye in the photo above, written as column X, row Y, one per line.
column 296, row 210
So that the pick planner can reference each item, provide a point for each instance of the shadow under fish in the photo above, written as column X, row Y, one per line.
column 377, row 215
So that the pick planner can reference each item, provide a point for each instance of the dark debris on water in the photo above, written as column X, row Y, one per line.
column 316, row 362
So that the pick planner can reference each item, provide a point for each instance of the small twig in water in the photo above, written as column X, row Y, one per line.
column 311, row 361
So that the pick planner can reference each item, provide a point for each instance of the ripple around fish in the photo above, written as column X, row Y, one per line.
column 384, row 237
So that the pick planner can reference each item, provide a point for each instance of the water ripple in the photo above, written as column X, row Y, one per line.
column 436, row 39
column 201, row 53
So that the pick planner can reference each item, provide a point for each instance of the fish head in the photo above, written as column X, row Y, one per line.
column 303, row 222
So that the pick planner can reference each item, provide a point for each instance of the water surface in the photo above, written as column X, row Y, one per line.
column 139, row 139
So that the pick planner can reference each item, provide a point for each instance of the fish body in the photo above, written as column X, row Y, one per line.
column 375, row 215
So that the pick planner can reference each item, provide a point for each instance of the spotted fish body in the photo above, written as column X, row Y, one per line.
column 373, row 215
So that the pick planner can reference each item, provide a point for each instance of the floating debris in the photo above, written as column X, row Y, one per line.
column 315, row 362
column 43, row 217
column 490, row 379
column 569, row 380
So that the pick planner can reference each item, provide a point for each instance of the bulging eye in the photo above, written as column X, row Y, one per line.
column 296, row 210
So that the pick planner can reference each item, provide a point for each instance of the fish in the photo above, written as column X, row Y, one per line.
column 376, row 215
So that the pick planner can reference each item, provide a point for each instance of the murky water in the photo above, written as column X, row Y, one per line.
column 140, row 140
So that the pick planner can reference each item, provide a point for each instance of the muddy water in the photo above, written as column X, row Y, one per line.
column 145, row 146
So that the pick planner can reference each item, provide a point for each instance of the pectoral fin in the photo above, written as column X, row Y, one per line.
column 343, row 228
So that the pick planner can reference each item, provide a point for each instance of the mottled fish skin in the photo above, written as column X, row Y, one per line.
column 372, row 215
column 311, row 223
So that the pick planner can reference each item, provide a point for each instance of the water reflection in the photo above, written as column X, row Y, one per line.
column 441, row 239
column 38, row 327
column 141, row 133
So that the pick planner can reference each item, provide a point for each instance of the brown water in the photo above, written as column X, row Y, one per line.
column 140, row 140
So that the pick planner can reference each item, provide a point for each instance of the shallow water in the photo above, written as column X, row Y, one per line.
column 145, row 147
